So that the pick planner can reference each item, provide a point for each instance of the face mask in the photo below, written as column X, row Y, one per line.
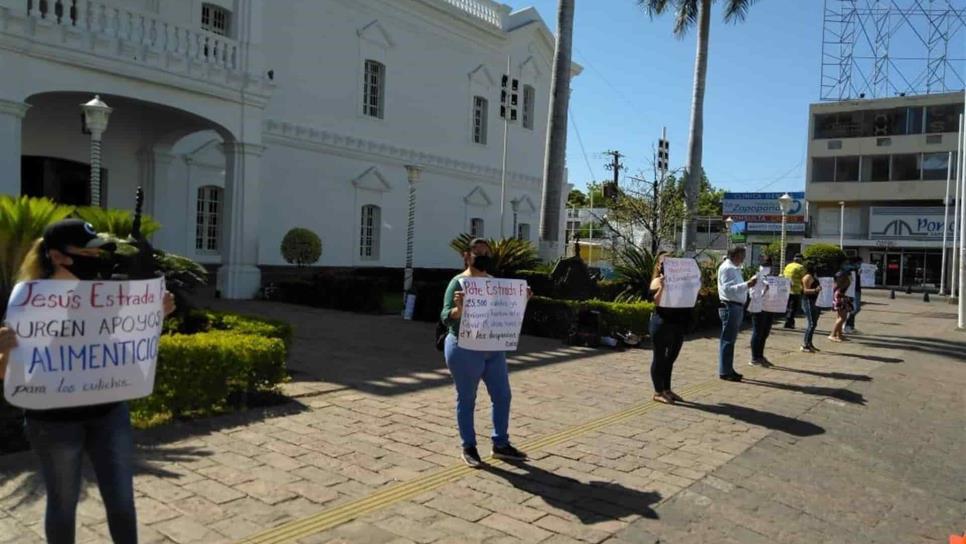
column 84, row 267
column 482, row 262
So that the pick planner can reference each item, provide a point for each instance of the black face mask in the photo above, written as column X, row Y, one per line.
column 84, row 267
column 483, row 263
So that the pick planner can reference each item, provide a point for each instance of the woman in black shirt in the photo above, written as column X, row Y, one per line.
column 668, row 327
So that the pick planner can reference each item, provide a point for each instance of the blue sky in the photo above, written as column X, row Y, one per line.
column 762, row 76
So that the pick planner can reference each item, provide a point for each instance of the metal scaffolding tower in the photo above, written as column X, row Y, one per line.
column 882, row 48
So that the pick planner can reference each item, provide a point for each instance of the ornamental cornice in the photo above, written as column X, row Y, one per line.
column 314, row 138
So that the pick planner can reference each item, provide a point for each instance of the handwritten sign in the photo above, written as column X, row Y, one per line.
column 775, row 300
column 850, row 292
column 492, row 313
column 756, row 297
column 827, row 295
column 83, row 342
column 867, row 274
column 682, row 281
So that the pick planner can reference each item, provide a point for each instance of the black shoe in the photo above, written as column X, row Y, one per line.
column 472, row 457
column 733, row 377
column 508, row 453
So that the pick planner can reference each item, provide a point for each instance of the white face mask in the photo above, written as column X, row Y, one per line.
column 764, row 270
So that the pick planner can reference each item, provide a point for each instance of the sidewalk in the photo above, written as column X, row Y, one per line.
column 860, row 441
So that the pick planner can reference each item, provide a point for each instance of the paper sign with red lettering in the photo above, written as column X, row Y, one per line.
column 682, row 281
column 492, row 313
column 83, row 342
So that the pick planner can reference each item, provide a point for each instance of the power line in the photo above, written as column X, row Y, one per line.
column 583, row 150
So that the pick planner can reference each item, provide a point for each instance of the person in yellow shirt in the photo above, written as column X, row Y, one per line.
column 795, row 271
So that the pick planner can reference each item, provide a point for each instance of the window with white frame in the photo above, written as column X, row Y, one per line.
column 529, row 98
column 476, row 227
column 373, row 91
column 523, row 231
column 208, row 219
column 215, row 19
column 369, row 233
column 479, row 120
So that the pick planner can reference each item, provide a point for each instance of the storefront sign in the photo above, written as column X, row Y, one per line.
column 798, row 228
column 907, row 223
column 763, row 205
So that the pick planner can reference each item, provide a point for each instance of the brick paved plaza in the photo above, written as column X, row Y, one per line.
column 861, row 443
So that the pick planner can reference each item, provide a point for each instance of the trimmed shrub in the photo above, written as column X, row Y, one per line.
column 826, row 258
column 197, row 373
column 540, row 282
column 553, row 318
column 622, row 317
column 301, row 247
column 429, row 300
column 258, row 326
column 610, row 289
column 345, row 293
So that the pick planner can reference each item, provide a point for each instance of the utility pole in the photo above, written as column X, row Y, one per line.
column 616, row 166
column 663, row 149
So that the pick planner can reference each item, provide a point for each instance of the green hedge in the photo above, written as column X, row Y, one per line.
column 539, row 282
column 346, row 293
column 553, row 318
column 198, row 372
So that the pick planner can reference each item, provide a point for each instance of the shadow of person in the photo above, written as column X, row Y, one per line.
column 844, row 395
column 769, row 420
column 830, row 375
column 873, row 358
column 591, row 502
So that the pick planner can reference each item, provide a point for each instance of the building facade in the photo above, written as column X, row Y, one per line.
column 242, row 119
column 757, row 221
column 876, row 179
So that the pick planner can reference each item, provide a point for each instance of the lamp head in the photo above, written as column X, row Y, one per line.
column 413, row 172
column 96, row 114
column 785, row 202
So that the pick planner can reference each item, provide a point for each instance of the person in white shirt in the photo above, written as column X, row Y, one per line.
column 733, row 293
column 761, row 321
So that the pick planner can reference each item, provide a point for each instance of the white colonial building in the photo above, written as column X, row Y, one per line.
column 245, row 118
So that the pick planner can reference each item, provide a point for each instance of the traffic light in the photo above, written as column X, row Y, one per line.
column 509, row 97
column 663, row 146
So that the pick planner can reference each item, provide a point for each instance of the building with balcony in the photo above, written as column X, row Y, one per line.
column 242, row 119
column 876, row 176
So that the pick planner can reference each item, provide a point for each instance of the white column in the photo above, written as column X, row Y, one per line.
column 239, row 276
column 11, row 121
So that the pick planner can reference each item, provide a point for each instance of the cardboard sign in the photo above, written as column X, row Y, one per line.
column 682, row 281
column 850, row 292
column 867, row 274
column 775, row 300
column 827, row 295
column 83, row 342
column 492, row 313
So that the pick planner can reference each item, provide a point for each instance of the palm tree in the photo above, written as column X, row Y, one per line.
column 553, row 171
column 690, row 13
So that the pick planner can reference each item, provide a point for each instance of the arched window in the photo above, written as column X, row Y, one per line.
column 370, row 227
column 208, row 219
column 476, row 227
column 373, row 89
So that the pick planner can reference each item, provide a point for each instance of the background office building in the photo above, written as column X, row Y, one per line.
column 884, row 162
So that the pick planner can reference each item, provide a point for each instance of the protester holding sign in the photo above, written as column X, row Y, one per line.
column 761, row 321
column 667, row 326
column 733, row 293
column 469, row 366
column 811, row 288
column 70, row 250
column 842, row 305
column 857, row 299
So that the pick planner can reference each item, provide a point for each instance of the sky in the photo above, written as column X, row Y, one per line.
column 762, row 75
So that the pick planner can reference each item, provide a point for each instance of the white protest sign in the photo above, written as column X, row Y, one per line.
column 83, row 342
column 775, row 300
column 492, row 313
column 826, row 296
column 867, row 274
column 682, row 281
column 850, row 292
column 756, row 297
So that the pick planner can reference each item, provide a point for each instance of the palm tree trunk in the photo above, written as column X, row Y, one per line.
column 696, row 137
column 555, row 157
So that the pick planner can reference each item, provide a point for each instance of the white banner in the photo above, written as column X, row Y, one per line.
column 850, row 292
column 682, row 281
column 867, row 274
column 83, row 342
column 775, row 300
column 492, row 313
column 827, row 295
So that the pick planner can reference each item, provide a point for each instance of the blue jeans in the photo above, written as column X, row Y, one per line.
column 856, row 308
column 761, row 329
column 731, row 315
column 812, row 313
column 468, row 367
column 108, row 442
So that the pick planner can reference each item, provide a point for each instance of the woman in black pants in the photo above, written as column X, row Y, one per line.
column 668, row 327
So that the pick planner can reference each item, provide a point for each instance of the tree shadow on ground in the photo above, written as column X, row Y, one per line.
column 844, row 395
column 829, row 375
column 591, row 502
column 934, row 346
column 157, row 454
column 768, row 420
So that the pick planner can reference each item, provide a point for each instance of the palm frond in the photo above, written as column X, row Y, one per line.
column 22, row 222
column 737, row 10
column 686, row 16
column 653, row 8
column 510, row 254
column 120, row 223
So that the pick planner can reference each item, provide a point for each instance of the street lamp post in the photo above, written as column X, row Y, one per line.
column 95, row 115
column 412, row 173
column 841, row 225
column 729, row 222
column 785, row 203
